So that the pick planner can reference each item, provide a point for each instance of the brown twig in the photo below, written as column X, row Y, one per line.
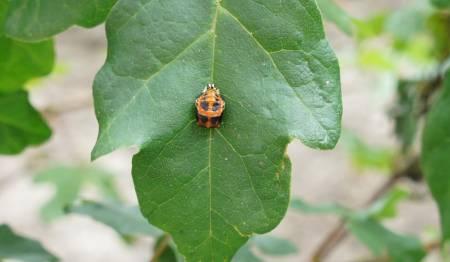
column 161, row 248
column 432, row 246
column 339, row 232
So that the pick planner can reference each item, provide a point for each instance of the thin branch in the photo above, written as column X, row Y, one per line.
column 163, row 245
column 339, row 232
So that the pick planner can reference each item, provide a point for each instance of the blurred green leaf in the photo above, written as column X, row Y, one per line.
column 68, row 182
column 274, row 246
column 334, row 13
column 441, row 3
column 371, row 27
column 21, row 62
column 367, row 156
column 103, row 181
column 245, row 254
column 407, row 22
column 405, row 112
column 438, row 26
column 436, row 155
column 20, row 124
column 302, row 206
column 126, row 221
column 386, row 206
column 377, row 59
column 266, row 244
column 365, row 226
column 13, row 246
column 52, row 16
column 381, row 241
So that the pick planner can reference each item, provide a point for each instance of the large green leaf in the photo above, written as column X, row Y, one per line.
column 20, row 124
column 31, row 20
column 436, row 155
column 213, row 188
column 13, row 246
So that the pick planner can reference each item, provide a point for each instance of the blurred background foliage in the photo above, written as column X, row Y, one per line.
column 408, row 49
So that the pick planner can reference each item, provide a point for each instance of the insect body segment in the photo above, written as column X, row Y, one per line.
column 210, row 107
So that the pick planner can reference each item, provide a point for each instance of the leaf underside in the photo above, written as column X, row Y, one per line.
column 213, row 188
column 436, row 155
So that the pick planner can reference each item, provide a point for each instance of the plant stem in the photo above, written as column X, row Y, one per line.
column 339, row 232
column 161, row 248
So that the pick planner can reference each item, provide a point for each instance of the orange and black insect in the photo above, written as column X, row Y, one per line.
column 210, row 107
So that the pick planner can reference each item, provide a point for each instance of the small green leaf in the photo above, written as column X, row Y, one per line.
column 405, row 113
column 386, row 207
column 441, row 3
column 274, row 246
column 371, row 27
column 211, row 189
column 381, row 241
column 31, row 20
column 367, row 156
column 300, row 205
column 378, row 59
column 20, row 124
column 334, row 13
column 436, row 155
column 68, row 182
column 13, row 246
column 266, row 244
column 406, row 23
column 68, row 185
column 126, row 221
column 246, row 254
column 364, row 225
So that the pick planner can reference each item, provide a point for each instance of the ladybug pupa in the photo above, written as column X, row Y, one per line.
column 210, row 107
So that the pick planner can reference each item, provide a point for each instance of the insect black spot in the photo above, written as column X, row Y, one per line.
column 216, row 106
column 202, row 119
column 216, row 120
column 204, row 105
